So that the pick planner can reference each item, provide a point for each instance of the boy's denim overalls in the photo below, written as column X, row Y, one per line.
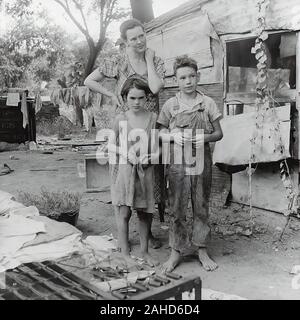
column 183, row 187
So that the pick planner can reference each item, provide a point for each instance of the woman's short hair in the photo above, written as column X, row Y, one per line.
column 137, row 83
column 129, row 24
column 184, row 61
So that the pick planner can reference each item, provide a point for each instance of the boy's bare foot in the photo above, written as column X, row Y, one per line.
column 207, row 263
column 154, row 242
column 172, row 262
column 150, row 260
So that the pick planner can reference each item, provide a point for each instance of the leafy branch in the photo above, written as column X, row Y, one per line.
column 263, row 103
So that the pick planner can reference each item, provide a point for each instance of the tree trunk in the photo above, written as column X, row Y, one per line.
column 93, row 54
column 91, row 61
column 142, row 10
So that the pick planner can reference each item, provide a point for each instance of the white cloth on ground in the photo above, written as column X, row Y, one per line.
column 43, row 252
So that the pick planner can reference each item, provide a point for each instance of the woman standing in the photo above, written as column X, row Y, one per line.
column 140, row 62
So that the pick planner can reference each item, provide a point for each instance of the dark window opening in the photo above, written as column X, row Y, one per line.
column 241, row 69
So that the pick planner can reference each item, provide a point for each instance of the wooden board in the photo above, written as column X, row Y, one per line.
column 188, row 37
column 235, row 147
column 196, row 38
column 248, row 98
column 268, row 191
column 298, row 90
column 97, row 174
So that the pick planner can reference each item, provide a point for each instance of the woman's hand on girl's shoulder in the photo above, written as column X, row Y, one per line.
column 115, row 101
column 149, row 54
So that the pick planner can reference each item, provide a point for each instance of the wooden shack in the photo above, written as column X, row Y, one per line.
column 17, row 116
column 219, row 35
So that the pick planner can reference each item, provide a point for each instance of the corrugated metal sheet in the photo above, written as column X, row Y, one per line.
column 235, row 16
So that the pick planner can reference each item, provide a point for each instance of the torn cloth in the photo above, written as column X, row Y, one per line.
column 24, row 110
column 137, row 187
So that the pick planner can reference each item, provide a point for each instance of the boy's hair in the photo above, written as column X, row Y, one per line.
column 131, row 83
column 184, row 61
column 129, row 24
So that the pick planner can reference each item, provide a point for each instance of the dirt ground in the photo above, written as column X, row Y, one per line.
column 253, row 266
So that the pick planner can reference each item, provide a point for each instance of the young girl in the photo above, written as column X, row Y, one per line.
column 136, row 149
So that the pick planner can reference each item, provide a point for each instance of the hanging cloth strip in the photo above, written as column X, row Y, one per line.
column 24, row 110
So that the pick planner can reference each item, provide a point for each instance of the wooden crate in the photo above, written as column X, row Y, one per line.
column 97, row 173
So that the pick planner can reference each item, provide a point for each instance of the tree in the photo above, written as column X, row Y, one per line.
column 142, row 10
column 79, row 12
column 31, row 52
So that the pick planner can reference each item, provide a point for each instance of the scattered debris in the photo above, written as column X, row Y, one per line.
column 295, row 269
column 164, row 227
column 295, row 245
column 32, row 146
column 64, row 138
column 5, row 170
column 230, row 230
column 5, row 146
column 13, row 158
column 227, row 251
column 43, row 169
column 208, row 294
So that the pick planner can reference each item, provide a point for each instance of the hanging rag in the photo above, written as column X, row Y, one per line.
column 24, row 110
column 38, row 103
column 137, row 188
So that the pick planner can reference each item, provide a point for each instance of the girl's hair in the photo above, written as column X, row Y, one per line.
column 129, row 24
column 131, row 83
column 184, row 61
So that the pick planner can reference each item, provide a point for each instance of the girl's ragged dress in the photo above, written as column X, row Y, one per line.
column 133, row 185
column 120, row 68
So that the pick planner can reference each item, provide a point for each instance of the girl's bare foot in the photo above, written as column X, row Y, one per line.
column 207, row 263
column 150, row 260
column 172, row 262
column 129, row 246
column 128, row 261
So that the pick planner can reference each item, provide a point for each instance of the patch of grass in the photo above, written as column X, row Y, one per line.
column 52, row 204
column 60, row 126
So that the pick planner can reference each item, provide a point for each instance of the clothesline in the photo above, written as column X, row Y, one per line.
column 79, row 96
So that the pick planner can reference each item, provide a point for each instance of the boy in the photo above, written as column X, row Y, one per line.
column 189, row 109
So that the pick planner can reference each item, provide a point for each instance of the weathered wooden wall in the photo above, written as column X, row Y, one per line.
column 215, row 91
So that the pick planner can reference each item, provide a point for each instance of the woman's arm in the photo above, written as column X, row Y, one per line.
column 112, row 146
column 93, row 82
column 154, row 81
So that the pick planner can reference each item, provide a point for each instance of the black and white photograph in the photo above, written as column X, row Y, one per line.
column 149, row 150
